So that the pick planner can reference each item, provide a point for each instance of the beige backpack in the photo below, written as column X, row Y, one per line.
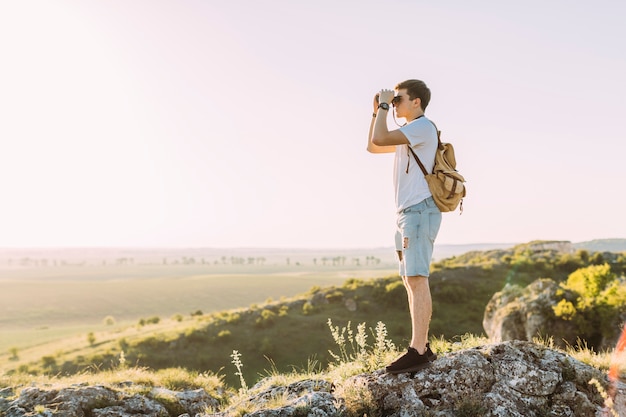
column 445, row 183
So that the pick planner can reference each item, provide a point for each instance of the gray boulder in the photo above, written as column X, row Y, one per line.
column 101, row 401
column 523, row 314
column 512, row 379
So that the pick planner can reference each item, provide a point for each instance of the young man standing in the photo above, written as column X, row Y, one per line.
column 418, row 217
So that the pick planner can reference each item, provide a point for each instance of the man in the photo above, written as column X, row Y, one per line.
column 418, row 217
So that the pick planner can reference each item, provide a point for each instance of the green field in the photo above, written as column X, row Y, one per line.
column 68, row 295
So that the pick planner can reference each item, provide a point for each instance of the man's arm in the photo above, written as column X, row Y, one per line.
column 380, row 139
column 371, row 147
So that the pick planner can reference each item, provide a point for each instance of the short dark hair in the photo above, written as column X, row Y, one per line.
column 416, row 89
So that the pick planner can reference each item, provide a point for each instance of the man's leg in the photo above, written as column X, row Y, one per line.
column 420, row 309
column 417, row 228
column 418, row 356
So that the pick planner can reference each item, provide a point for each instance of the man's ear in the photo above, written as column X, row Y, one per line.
column 417, row 102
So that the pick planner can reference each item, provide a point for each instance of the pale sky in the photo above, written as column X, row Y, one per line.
column 244, row 123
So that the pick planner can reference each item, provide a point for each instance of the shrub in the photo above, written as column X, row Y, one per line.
column 564, row 310
column 266, row 318
column 393, row 294
column 471, row 406
column 588, row 282
column 224, row 334
column 353, row 283
column 335, row 296
column 109, row 321
column 599, row 299
column 48, row 362
column 13, row 351
column 308, row 308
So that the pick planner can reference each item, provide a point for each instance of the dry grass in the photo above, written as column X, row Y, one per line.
column 141, row 378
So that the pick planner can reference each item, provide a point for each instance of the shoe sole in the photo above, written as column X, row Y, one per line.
column 413, row 368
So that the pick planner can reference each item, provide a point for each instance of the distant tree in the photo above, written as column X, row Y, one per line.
column 583, row 255
column 597, row 258
column 13, row 351
column 91, row 338
column 109, row 321
column 48, row 362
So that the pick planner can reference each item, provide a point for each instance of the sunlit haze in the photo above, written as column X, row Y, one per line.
column 243, row 124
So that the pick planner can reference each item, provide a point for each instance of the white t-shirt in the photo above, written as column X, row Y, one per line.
column 411, row 187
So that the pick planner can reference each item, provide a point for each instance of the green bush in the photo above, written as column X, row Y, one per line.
column 590, row 281
column 224, row 334
column 308, row 309
column 266, row 318
column 335, row 296
column 49, row 362
column 598, row 298
column 565, row 310
column 395, row 293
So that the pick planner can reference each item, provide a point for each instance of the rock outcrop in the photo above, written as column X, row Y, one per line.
column 101, row 401
column 526, row 313
column 523, row 314
column 511, row 379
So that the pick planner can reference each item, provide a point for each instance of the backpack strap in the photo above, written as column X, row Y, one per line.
column 418, row 161
column 439, row 145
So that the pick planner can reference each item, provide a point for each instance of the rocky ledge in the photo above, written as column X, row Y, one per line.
column 512, row 379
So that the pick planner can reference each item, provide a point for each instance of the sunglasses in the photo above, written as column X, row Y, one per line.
column 396, row 100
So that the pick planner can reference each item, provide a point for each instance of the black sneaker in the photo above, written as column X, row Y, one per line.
column 411, row 361
column 432, row 356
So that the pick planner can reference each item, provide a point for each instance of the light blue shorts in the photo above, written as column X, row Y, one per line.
column 418, row 226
